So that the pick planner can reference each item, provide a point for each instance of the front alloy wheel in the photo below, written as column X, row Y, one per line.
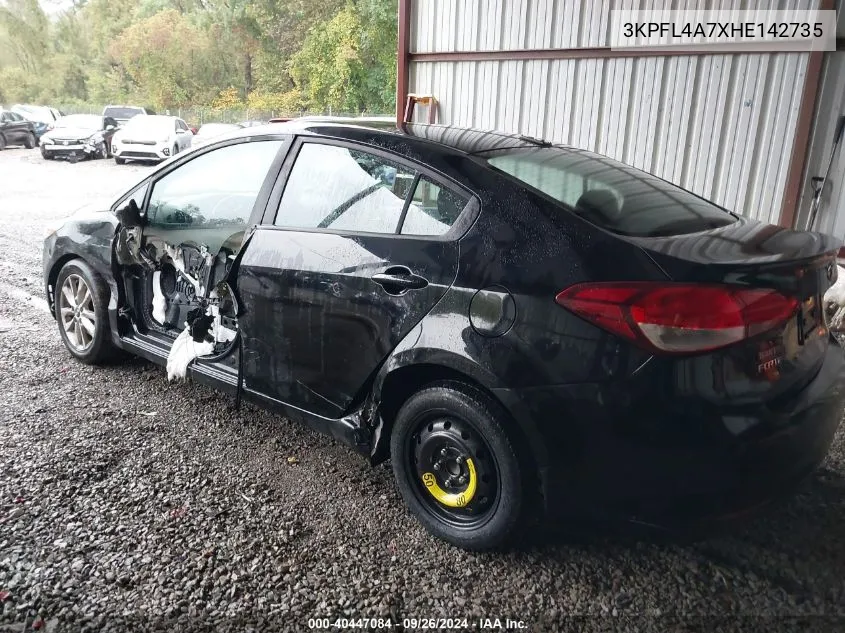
column 76, row 311
column 82, row 299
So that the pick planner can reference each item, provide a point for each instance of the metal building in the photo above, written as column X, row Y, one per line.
column 748, row 131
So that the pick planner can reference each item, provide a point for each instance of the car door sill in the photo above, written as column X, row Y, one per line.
column 205, row 373
column 344, row 429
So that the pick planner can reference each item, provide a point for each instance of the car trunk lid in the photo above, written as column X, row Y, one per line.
column 747, row 253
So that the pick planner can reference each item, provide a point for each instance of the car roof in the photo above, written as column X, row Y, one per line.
column 448, row 139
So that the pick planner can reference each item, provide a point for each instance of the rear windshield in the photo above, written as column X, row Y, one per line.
column 122, row 113
column 609, row 194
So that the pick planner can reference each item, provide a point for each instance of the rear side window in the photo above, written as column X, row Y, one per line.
column 433, row 209
column 609, row 194
column 333, row 187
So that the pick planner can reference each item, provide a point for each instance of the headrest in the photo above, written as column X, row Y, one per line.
column 598, row 205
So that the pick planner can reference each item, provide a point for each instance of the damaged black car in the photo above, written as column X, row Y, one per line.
column 523, row 329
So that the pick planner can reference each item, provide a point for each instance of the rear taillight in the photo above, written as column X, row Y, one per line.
column 676, row 317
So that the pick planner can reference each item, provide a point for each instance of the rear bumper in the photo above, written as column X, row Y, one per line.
column 680, row 466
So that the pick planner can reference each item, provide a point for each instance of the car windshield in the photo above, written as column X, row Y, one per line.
column 150, row 125
column 85, row 121
column 122, row 113
column 213, row 129
column 610, row 195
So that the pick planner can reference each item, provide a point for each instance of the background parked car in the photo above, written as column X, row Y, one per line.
column 15, row 130
column 122, row 113
column 253, row 123
column 211, row 131
column 153, row 137
column 43, row 117
column 79, row 136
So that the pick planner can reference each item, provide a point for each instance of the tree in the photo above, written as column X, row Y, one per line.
column 276, row 55
column 25, row 33
column 348, row 62
column 159, row 54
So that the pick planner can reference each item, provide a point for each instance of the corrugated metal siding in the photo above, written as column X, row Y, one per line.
column 720, row 125
column 493, row 25
column 831, row 216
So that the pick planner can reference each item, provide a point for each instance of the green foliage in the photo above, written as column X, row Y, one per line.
column 349, row 62
column 263, row 55
column 25, row 30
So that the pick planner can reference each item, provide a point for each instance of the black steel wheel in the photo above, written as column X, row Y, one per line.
column 454, row 470
column 456, row 466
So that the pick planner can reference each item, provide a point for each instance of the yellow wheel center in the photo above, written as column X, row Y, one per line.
column 452, row 499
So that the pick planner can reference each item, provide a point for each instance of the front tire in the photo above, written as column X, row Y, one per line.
column 30, row 141
column 456, row 466
column 82, row 299
column 2, row 142
column 119, row 160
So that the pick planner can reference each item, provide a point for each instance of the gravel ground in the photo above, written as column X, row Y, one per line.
column 131, row 503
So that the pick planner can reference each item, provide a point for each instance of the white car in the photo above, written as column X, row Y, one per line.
column 152, row 138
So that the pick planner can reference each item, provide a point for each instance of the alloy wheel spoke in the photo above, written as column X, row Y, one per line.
column 81, row 293
column 88, row 314
column 67, row 292
column 87, row 326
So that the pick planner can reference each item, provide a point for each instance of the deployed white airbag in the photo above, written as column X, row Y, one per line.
column 159, row 302
column 184, row 350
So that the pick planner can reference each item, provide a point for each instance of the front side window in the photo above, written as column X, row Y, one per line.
column 341, row 188
column 216, row 189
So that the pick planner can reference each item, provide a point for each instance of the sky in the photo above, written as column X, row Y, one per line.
column 51, row 7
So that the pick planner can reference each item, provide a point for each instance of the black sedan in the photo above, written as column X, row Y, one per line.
column 522, row 328
column 15, row 130
column 79, row 136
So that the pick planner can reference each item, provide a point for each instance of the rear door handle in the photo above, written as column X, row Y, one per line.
column 398, row 279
